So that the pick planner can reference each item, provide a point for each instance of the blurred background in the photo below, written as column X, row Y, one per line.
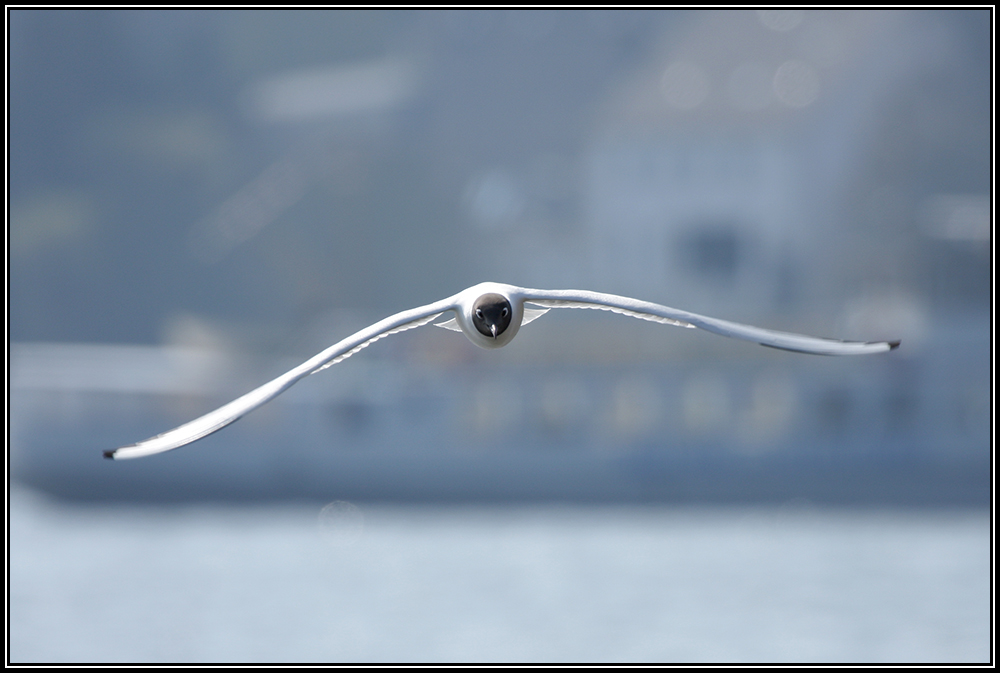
column 199, row 201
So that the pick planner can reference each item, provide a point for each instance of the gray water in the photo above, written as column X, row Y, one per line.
column 528, row 583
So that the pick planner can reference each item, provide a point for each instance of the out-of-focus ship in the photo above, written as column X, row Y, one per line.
column 660, row 418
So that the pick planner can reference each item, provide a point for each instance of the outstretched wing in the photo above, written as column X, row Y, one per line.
column 223, row 416
column 664, row 314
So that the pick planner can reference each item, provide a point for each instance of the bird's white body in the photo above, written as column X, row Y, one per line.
column 463, row 314
column 490, row 315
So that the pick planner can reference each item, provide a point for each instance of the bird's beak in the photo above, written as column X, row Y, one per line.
column 493, row 328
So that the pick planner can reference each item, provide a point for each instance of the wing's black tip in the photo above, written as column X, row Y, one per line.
column 893, row 345
column 110, row 455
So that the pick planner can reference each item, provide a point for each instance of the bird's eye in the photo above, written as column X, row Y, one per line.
column 505, row 311
column 479, row 313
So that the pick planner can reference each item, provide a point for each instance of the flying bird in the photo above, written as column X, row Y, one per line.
column 489, row 314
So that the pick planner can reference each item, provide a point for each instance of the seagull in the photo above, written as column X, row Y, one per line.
column 489, row 314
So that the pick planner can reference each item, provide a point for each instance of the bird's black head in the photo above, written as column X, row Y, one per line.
column 491, row 314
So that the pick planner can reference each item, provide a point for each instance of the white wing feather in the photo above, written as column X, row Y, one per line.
column 648, row 311
column 541, row 302
column 451, row 324
column 532, row 313
column 223, row 416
